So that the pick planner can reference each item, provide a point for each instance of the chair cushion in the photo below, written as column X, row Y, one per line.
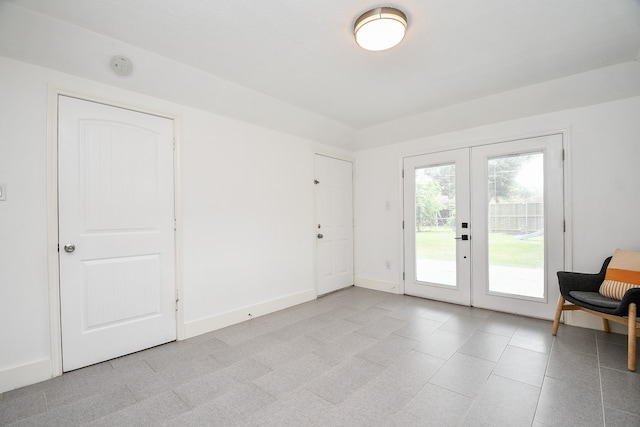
column 623, row 273
column 595, row 299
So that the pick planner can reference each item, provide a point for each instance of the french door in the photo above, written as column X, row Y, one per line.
column 484, row 226
column 437, row 216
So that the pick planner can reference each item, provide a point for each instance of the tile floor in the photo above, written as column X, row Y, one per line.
column 353, row 358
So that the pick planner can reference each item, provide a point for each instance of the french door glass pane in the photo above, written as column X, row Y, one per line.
column 435, row 202
column 516, row 224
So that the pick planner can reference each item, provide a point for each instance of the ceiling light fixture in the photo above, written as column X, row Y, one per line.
column 380, row 28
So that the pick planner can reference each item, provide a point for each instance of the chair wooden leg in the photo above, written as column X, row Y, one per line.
column 556, row 321
column 631, row 362
column 605, row 325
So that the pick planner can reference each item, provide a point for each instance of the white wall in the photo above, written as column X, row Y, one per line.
column 604, row 185
column 24, row 303
column 247, row 211
column 247, row 216
column 578, row 90
column 38, row 39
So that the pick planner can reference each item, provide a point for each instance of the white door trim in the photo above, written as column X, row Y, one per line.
column 52, row 215
column 333, row 155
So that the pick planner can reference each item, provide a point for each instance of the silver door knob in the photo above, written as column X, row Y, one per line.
column 320, row 236
column 69, row 247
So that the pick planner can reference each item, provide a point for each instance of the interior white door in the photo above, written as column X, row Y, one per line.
column 116, row 231
column 437, row 226
column 334, row 228
column 518, row 241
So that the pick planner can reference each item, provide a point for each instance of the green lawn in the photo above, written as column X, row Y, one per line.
column 504, row 249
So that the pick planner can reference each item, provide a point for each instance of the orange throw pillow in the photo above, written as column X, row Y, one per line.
column 623, row 273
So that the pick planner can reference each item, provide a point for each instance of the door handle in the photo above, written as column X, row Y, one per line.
column 320, row 236
column 69, row 247
column 463, row 237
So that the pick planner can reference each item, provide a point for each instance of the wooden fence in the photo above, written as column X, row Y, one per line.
column 516, row 218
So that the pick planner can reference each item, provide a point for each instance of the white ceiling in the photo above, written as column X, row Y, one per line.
column 303, row 52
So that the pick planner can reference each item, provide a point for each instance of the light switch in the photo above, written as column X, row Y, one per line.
column 3, row 192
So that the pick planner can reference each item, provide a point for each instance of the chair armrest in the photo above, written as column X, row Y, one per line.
column 632, row 295
column 570, row 281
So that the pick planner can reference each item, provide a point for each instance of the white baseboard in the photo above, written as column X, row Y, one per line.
column 27, row 374
column 212, row 323
column 377, row 285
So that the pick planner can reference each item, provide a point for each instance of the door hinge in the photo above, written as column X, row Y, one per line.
column 175, row 224
column 564, row 226
column 174, row 144
column 563, row 154
column 403, row 225
column 177, row 300
column 403, row 173
column 403, row 275
column 58, row 247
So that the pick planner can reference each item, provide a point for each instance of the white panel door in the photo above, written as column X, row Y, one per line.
column 437, row 227
column 334, row 228
column 116, row 231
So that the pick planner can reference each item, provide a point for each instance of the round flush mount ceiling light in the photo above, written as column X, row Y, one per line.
column 380, row 28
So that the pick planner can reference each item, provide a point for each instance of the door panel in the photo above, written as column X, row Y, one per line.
column 519, row 234
column 116, row 206
column 119, row 290
column 334, row 215
column 120, row 163
column 436, row 198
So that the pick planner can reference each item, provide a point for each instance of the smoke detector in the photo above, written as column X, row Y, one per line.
column 121, row 65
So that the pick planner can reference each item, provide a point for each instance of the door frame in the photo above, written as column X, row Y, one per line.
column 53, row 275
column 466, row 142
column 314, row 230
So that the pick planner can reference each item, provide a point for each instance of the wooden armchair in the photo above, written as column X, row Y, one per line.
column 581, row 291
